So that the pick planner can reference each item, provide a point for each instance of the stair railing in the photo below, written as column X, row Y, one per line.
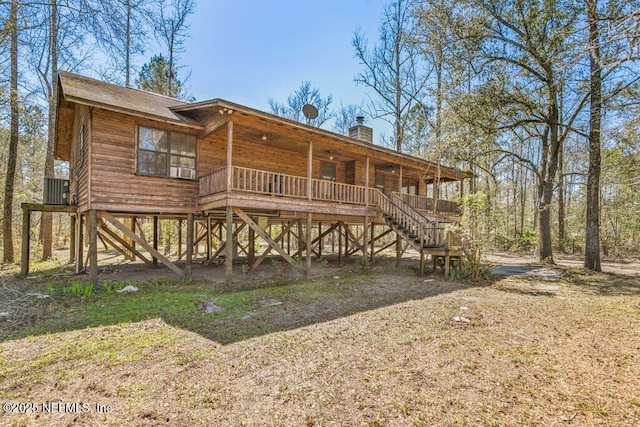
column 412, row 221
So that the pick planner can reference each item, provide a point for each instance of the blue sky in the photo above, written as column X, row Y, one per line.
column 246, row 51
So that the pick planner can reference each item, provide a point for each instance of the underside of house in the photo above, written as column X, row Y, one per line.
column 246, row 184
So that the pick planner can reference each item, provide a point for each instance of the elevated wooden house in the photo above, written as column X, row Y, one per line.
column 223, row 167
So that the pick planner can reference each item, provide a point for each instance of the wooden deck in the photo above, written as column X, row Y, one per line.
column 260, row 189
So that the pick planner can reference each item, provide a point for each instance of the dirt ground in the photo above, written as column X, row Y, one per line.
column 385, row 348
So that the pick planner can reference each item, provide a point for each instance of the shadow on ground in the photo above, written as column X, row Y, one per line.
column 256, row 305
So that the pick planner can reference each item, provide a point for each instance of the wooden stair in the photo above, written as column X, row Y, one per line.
column 421, row 233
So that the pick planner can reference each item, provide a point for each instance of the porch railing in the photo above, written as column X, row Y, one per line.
column 423, row 203
column 279, row 184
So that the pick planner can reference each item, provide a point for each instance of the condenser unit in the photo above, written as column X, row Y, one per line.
column 56, row 191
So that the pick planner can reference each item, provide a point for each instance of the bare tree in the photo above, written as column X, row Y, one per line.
column 346, row 117
column 120, row 30
column 392, row 68
column 305, row 94
column 7, row 224
column 592, row 231
column 171, row 27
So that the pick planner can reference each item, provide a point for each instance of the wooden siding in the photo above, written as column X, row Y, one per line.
column 115, row 185
column 79, row 158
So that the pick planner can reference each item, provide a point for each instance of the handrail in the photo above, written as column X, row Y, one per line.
column 395, row 195
column 280, row 184
column 415, row 223
column 213, row 182
column 445, row 207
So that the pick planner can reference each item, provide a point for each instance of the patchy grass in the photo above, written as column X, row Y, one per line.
column 365, row 349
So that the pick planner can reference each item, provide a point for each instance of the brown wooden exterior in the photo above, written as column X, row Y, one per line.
column 247, row 163
column 104, row 176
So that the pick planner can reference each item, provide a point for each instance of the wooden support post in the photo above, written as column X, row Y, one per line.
column 252, row 246
column 307, row 267
column 143, row 243
column 155, row 238
column 93, row 247
column 179, row 238
column 346, row 239
column 340, row 244
column 289, row 238
column 190, row 227
column 299, row 236
column 398, row 238
column 310, row 171
column 208, row 238
column 26, row 241
column 72, row 238
column 422, row 262
column 228, row 261
column 79, row 243
column 373, row 240
column 265, row 236
column 229, row 157
column 320, row 240
column 133, row 230
column 365, row 244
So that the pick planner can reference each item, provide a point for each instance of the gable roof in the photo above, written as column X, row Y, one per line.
column 75, row 88
column 88, row 91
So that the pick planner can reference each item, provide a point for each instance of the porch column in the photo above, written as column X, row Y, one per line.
column 93, row 247
column 79, row 244
column 26, row 241
column 189, row 245
column 366, row 181
column 310, row 171
column 72, row 238
column 208, row 238
column 230, row 156
column 228, row 261
column 307, row 266
column 398, row 238
column 365, row 243
column 155, row 238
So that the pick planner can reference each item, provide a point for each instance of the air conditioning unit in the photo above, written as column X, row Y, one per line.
column 185, row 173
column 56, row 191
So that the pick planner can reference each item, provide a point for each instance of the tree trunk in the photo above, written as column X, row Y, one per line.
column 562, row 236
column 46, row 229
column 7, row 224
column 592, row 231
column 545, row 192
column 127, row 50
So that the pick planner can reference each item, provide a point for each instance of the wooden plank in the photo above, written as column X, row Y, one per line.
column 189, row 246
column 128, row 249
column 104, row 235
column 155, row 237
column 26, row 241
column 307, row 268
column 229, row 155
column 265, row 236
column 41, row 207
column 229, row 244
column 93, row 247
column 79, row 244
column 284, row 230
column 142, row 243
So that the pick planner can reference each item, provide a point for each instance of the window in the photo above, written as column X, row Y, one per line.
column 166, row 153
column 380, row 181
column 328, row 171
column 410, row 188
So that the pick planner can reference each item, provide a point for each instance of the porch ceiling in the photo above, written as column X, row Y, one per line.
column 251, row 129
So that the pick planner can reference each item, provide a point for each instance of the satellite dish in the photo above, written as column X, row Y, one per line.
column 309, row 111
